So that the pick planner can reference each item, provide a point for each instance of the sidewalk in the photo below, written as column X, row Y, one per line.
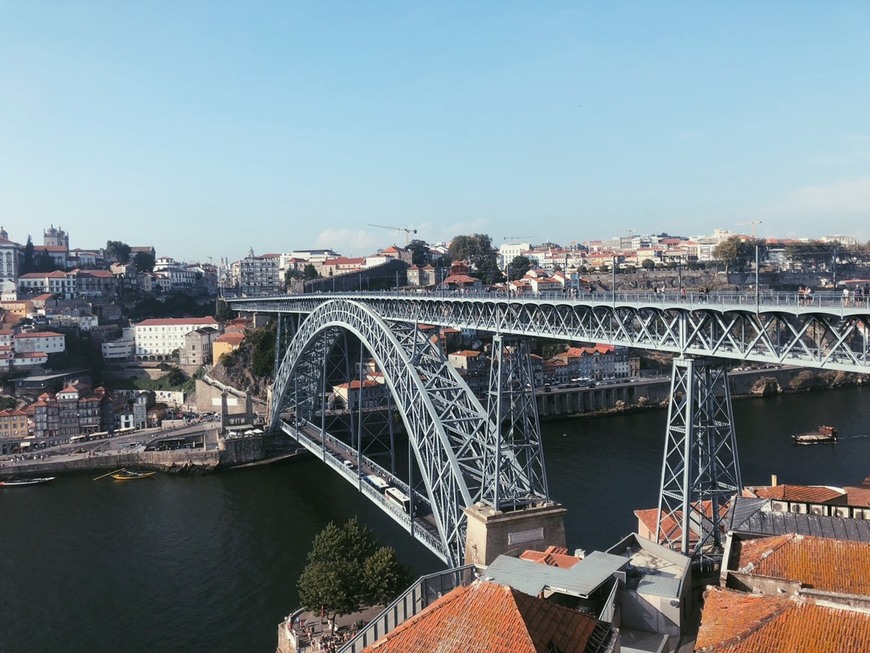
column 303, row 632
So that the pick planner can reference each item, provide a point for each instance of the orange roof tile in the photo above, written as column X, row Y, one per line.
column 234, row 338
column 858, row 496
column 489, row 618
column 733, row 622
column 39, row 334
column 821, row 563
column 672, row 522
column 807, row 493
column 356, row 385
column 466, row 353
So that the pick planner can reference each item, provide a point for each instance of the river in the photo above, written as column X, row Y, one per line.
column 209, row 563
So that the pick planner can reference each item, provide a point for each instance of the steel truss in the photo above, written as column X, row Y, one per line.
column 447, row 426
column 831, row 338
column 700, row 471
column 514, row 470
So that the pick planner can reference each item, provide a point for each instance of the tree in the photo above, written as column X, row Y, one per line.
column 384, row 578
column 44, row 263
column 263, row 357
column 117, row 251
column 223, row 312
column 291, row 275
column 518, row 267
column 29, row 262
column 310, row 272
column 144, row 261
column 346, row 569
column 648, row 264
column 478, row 251
column 735, row 252
column 420, row 254
column 814, row 254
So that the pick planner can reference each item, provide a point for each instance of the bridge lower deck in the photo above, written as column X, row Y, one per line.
column 354, row 468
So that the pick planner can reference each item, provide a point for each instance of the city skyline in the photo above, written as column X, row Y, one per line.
column 209, row 129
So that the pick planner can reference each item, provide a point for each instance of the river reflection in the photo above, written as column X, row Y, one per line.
column 210, row 563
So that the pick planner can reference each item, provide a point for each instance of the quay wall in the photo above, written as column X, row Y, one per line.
column 230, row 453
column 647, row 394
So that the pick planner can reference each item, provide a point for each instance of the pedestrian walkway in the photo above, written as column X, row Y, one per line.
column 307, row 632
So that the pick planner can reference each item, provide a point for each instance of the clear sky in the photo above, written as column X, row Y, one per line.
column 207, row 128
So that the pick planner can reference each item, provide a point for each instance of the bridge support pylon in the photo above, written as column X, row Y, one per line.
column 515, row 512
column 700, row 470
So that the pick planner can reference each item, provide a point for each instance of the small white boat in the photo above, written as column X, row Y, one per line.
column 15, row 482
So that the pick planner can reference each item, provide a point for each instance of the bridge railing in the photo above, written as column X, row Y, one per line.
column 787, row 300
column 425, row 591
column 421, row 529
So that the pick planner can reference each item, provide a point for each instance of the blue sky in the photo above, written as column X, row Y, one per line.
column 208, row 128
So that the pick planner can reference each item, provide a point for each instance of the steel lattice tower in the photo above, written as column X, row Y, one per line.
column 700, row 470
column 514, row 472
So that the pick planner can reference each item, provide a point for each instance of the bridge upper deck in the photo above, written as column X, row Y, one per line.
column 823, row 331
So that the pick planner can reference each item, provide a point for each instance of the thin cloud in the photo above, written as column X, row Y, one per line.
column 351, row 241
column 841, row 207
column 839, row 198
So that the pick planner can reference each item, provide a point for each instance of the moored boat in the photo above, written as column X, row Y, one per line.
column 130, row 474
column 823, row 435
column 15, row 482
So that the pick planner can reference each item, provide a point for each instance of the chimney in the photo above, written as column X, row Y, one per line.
column 773, row 480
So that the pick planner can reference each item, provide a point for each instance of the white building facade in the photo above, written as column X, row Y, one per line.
column 157, row 339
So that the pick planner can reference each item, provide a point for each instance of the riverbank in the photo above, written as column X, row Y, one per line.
column 228, row 454
column 653, row 394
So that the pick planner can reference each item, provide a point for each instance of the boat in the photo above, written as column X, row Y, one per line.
column 130, row 474
column 823, row 435
column 15, row 482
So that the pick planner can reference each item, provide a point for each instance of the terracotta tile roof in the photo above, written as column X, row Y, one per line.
column 39, row 334
column 356, row 385
column 672, row 522
column 858, row 496
column 105, row 274
column 466, row 353
column 489, row 618
column 344, row 260
column 177, row 321
column 807, row 493
column 554, row 556
column 734, row 622
column 821, row 563
column 234, row 338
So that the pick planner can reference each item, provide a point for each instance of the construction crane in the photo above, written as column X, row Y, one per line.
column 513, row 239
column 408, row 231
column 753, row 223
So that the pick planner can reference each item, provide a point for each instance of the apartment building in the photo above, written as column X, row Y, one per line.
column 157, row 339
column 260, row 275
column 197, row 348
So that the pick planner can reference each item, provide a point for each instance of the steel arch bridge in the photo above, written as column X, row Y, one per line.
column 469, row 460
column 459, row 452
column 776, row 329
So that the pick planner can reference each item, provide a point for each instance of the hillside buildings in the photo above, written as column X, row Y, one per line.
column 158, row 339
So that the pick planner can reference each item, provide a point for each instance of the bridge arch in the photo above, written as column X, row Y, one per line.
column 446, row 424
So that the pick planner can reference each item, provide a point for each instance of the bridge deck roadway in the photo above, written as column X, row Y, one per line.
column 823, row 331
column 345, row 461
